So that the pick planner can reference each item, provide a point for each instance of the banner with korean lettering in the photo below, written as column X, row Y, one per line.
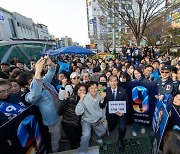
column 160, row 119
column 141, row 95
column 24, row 133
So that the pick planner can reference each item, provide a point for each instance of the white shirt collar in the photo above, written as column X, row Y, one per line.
column 114, row 89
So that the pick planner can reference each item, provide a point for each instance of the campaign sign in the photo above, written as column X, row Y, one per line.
column 23, row 133
column 10, row 110
column 117, row 106
column 174, row 119
column 160, row 119
column 141, row 95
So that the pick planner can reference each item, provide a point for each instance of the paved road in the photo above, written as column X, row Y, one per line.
column 113, row 136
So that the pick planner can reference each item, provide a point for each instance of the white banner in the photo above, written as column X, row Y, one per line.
column 117, row 106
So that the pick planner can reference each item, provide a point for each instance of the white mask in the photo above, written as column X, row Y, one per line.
column 131, row 71
column 123, row 70
column 121, row 80
column 102, row 69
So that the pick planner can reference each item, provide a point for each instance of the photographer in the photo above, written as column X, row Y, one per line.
column 44, row 95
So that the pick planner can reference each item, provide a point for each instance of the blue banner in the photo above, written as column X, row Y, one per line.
column 24, row 134
column 141, row 95
column 10, row 108
column 160, row 119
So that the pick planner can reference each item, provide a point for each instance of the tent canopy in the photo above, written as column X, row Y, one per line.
column 69, row 50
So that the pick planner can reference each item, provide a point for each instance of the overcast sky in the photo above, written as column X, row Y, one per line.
column 63, row 17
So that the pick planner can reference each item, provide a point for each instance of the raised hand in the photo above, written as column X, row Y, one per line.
column 82, row 96
column 64, row 82
column 39, row 64
column 39, row 68
column 48, row 60
column 103, row 95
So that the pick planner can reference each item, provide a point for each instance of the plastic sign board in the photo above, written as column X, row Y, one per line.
column 117, row 106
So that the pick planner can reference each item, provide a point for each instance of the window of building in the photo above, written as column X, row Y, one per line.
column 24, row 28
column 94, row 9
column 30, row 29
column 11, row 25
column 27, row 29
column 94, row 0
column 18, row 24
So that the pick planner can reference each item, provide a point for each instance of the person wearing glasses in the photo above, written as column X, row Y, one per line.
column 67, row 89
column 5, row 87
column 165, row 83
column 10, row 107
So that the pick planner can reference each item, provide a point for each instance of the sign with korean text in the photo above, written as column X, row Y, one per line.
column 117, row 106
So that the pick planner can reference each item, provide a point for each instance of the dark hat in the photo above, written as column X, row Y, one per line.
column 4, row 64
column 166, row 67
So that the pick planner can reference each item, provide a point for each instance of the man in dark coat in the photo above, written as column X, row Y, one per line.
column 115, row 93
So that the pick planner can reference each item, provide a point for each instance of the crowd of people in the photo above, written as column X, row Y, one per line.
column 77, row 101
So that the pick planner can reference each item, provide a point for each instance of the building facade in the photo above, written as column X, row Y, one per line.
column 101, row 26
column 24, row 27
column 94, row 27
column 66, row 41
column 7, row 28
column 14, row 26
column 42, row 31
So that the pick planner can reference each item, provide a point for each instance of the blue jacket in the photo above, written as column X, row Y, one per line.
column 41, row 97
column 155, row 75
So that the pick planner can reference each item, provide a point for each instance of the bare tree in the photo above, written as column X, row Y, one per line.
column 136, row 14
column 107, row 41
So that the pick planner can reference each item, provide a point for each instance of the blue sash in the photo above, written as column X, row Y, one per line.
column 9, row 108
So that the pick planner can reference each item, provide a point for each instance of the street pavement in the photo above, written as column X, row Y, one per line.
column 94, row 149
